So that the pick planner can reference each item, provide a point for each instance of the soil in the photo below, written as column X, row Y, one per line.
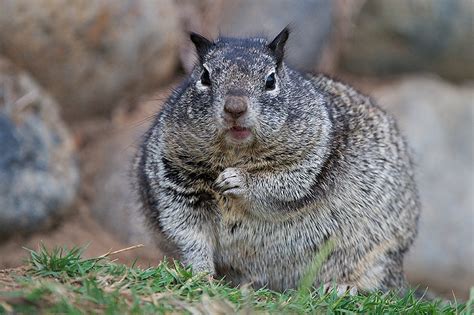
column 7, row 278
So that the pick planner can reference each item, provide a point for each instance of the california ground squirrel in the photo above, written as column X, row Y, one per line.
column 251, row 166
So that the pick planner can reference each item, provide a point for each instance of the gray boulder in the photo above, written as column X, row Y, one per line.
column 438, row 120
column 91, row 54
column 391, row 37
column 38, row 172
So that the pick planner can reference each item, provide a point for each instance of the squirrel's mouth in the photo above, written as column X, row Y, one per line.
column 239, row 133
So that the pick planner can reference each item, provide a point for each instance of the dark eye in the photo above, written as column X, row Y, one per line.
column 205, row 79
column 270, row 82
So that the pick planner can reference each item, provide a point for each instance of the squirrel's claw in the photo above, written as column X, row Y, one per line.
column 341, row 289
column 231, row 182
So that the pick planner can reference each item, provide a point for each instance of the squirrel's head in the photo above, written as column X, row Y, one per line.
column 241, row 87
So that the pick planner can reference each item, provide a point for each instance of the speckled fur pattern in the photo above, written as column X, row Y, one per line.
column 324, row 163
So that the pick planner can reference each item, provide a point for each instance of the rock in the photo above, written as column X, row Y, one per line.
column 310, row 20
column 437, row 118
column 91, row 54
column 107, row 165
column 38, row 172
column 391, row 37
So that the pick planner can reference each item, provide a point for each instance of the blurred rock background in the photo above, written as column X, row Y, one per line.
column 80, row 81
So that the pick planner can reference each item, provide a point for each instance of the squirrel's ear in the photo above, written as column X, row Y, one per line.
column 277, row 46
column 202, row 44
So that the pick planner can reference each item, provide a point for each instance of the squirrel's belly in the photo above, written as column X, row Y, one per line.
column 264, row 253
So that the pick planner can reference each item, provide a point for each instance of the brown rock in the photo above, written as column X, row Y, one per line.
column 91, row 54
column 107, row 163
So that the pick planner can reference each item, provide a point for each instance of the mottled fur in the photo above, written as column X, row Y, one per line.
column 324, row 163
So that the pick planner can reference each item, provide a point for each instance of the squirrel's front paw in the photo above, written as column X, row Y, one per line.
column 232, row 182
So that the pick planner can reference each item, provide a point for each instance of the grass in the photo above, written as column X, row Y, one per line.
column 61, row 281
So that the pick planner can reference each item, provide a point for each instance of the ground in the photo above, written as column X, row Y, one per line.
column 62, row 281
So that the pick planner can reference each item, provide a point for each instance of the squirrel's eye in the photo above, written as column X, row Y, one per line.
column 270, row 82
column 205, row 78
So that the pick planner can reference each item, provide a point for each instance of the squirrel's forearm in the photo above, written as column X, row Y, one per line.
column 273, row 193
column 190, row 231
column 198, row 254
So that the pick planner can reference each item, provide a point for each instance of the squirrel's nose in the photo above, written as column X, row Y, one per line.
column 236, row 106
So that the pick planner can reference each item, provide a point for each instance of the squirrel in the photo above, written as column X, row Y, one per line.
column 251, row 167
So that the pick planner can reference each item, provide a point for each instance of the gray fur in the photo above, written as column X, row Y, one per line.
column 324, row 162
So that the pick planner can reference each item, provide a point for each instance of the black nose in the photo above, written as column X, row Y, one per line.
column 236, row 106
